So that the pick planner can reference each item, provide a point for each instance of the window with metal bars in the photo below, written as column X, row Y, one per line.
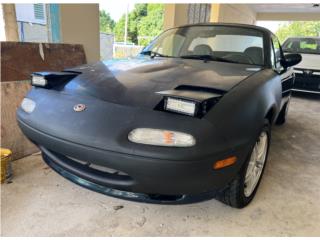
column 38, row 10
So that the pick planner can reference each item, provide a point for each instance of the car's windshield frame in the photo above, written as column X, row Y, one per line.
column 260, row 33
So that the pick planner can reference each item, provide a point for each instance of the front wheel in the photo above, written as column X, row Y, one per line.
column 242, row 189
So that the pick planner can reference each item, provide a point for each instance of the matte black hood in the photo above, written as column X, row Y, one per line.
column 135, row 82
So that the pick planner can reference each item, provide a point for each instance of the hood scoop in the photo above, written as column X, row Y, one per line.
column 188, row 101
column 201, row 89
column 196, row 96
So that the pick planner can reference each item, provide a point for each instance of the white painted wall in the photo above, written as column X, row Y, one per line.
column 80, row 24
column 26, row 13
column 33, row 32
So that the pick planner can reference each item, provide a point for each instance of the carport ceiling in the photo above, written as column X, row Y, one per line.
column 286, row 8
column 286, row 12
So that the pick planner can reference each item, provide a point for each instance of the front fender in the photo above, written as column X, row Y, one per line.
column 241, row 113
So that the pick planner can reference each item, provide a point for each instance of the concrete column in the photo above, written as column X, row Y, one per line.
column 10, row 22
column 175, row 15
column 79, row 23
column 233, row 13
column 214, row 16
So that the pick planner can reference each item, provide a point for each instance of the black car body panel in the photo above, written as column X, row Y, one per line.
column 133, row 82
column 122, row 96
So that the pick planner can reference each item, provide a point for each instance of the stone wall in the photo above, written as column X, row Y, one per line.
column 106, row 46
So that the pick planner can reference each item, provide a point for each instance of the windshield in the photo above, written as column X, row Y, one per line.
column 217, row 43
column 302, row 45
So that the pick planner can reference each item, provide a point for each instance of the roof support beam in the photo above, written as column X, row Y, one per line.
column 288, row 16
column 232, row 13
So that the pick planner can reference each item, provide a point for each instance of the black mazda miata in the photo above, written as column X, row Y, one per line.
column 190, row 117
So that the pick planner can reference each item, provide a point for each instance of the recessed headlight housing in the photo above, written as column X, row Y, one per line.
column 51, row 79
column 194, row 103
column 38, row 81
column 180, row 106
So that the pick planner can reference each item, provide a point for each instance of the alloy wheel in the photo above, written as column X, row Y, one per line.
column 256, row 164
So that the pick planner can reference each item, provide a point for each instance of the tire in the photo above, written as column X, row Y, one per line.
column 283, row 114
column 236, row 194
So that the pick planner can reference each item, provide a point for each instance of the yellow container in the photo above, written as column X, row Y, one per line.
column 5, row 162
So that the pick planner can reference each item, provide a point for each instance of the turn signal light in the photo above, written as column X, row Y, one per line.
column 28, row 105
column 224, row 163
column 160, row 137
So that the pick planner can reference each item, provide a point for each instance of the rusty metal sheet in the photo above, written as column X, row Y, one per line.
column 20, row 59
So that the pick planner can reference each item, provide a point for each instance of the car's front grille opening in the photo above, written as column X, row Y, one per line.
column 107, row 170
column 165, row 198
column 307, row 82
column 99, row 167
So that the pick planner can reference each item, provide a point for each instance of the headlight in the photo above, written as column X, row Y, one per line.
column 28, row 105
column 180, row 106
column 38, row 81
column 159, row 137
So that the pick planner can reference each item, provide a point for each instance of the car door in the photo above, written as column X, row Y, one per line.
column 286, row 74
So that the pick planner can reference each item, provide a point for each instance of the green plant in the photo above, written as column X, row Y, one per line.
column 106, row 22
column 145, row 22
column 299, row 29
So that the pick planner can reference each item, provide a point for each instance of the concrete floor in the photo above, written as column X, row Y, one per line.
column 41, row 203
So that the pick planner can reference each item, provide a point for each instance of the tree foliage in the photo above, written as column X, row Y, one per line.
column 145, row 22
column 299, row 29
column 106, row 22
column 152, row 24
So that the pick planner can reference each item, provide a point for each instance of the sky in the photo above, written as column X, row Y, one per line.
column 271, row 25
column 116, row 8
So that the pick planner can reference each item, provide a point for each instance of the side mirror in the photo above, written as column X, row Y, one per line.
column 291, row 59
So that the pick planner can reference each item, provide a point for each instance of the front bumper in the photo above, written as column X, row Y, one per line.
column 142, row 178
column 72, row 173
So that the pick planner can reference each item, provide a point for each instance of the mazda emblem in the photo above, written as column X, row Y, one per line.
column 79, row 107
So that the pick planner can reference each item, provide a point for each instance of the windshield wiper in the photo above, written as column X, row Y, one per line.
column 153, row 54
column 207, row 58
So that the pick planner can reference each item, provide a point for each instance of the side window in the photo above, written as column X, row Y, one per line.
column 277, row 53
